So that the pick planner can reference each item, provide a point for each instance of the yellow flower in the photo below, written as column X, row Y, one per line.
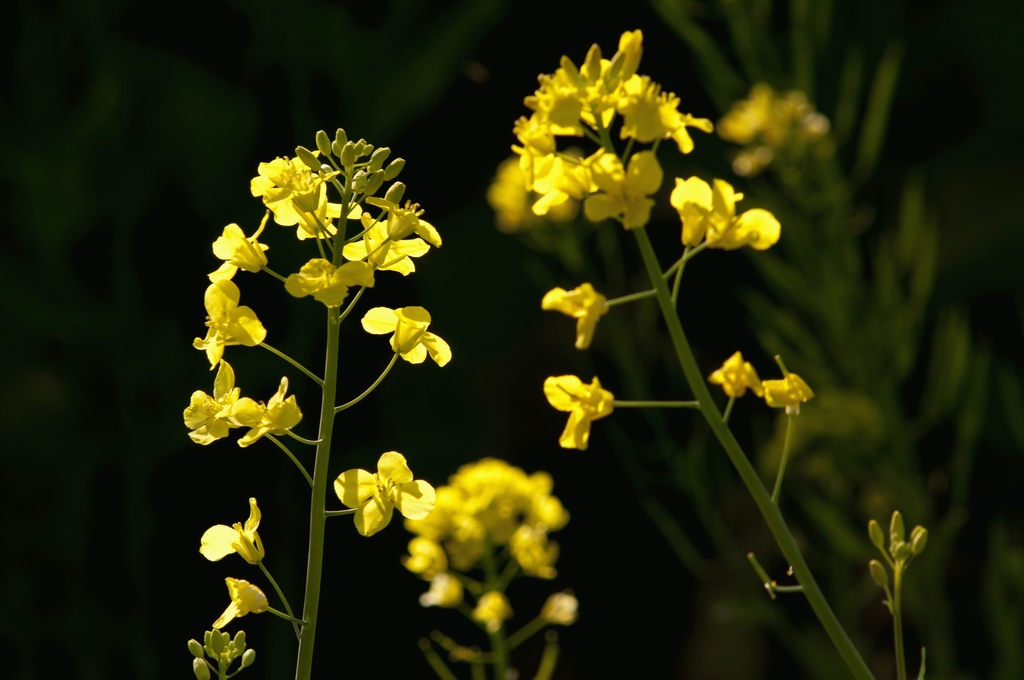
column 382, row 252
column 557, row 181
column 426, row 558
column 239, row 252
column 319, row 218
column 403, row 222
column 326, row 283
column 491, row 610
column 558, row 102
column 277, row 417
column 538, row 146
column 228, row 324
column 219, row 540
column 561, row 609
column 210, row 418
column 445, row 591
column 411, row 338
column 283, row 181
column 585, row 403
column 650, row 114
column 710, row 213
column 533, row 552
column 245, row 599
column 625, row 190
column 584, row 304
column 376, row 495
column 631, row 49
column 790, row 392
column 735, row 376
column 748, row 117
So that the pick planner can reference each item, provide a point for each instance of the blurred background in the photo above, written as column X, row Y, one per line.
column 129, row 133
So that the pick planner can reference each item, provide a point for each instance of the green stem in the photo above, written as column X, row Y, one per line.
column 770, row 512
column 291, row 455
column 369, row 389
column 897, row 622
column 672, row 270
column 339, row 513
column 497, row 638
column 280, row 594
column 435, row 661
column 352, row 304
column 273, row 273
column 630, row 298
column 728, row 410
column 310, row 442
column 549, row 659
column 655, row 404
column 526, row 632
column 293, row 362
column 785, row 457
column 295, row 622
column 317, row 514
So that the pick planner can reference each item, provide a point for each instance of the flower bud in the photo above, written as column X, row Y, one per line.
column 239, row 642
column 901, row 551
column 395, row 192
column 374, row 182
column 307, row 157
column 896, row 531
column 378, row 158
column 561, row 609
column 201, row 670
column 918, row 540
column 363, row 148
column 340, row 140
column 394, row 167
column 249, row 658
column 195, row 648
column 348, row 154
column 878, row 574
column 359, row 181
column 877, row 537
column 217, row 642
column 323, row 143
column 208, row 643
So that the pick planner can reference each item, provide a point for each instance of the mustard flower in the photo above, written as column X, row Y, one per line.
column 376, row 495
column 538, row 146
column 326, row 283
column 405, row 221
column 382, row 252
column 277, row 417
column 585, row 403
column 584, row 304
column 426, row 558
column 220, row 541
column 227, row 323
column 561, row 609
column 710, row 213
column 281, row 182
column 626, row 191
column 561, row 183
column 789, row 392
column 318, row 220
column 245, row 599
column 210, row 418
column 411, row 339
column 445, row 591
column 491, row 610
column 650, row 114
column 238, row 251
column 735, row 376
column 534, row 553
column 558, row 101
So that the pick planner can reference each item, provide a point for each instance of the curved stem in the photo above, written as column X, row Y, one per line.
column 770, row 512
column 310, row 442
column 280, row 594
column 785, row 457
column 655, row 404
column 339, row 513
column 295, row 622
column 728, row 410
column 369, row 389
column 291, row 455
column 352, row 304
column 294, row 363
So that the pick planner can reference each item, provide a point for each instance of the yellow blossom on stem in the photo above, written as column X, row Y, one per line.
column 789, row 392
column 585, row 403
column 376, row 495
column 558, row 102
column 426, row 558
column 491, row 610
column 405, row 221
column 710, row 213
column 650, row 114
column 584, row 304
column 561, row 609
column 239, row 252
column 625, row 191
column 219, row 540
column 227, row 323
column 534, row 553
column 382, row 252
column 735, row 376
column 445, row 591
column 277, row 417
column 281, row 182
column 326, row 283
column 317, row 220
column 245, row 599
column 411, row 339
column 210, row 418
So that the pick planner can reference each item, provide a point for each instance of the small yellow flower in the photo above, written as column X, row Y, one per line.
column 585, row 403
column 283, row 181
column 411, row 338
column 491, row 610
column 650, row 114
column 557, row 181
column 735, row 376
column 382, row 252
column 277, row 417
column 626, row 190
column 445, row 591
column 584, row 304
column 210, row 418
column 239, row 252
column 220, row 541
column 426, row 558
column 561, row 609
column 790, row 392
column 376, row 495
column 227, row 323
column 710, row 213
column 326, row 283
column 534, row 553
column 405, row 221
column 245, row 599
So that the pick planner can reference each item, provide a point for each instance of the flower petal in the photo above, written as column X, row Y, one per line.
column 218, row 542
column 415, row 500
column 439, row 350
column 380, row 321
column 353, row 487
column 373, row 516
column 392, row 465
column 560, row 391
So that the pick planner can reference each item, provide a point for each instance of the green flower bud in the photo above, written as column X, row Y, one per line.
column 208, row 643
column 359, row 181
column 195, row 648
column 348, row 154
column 217, row 642
column 896, row 531
column 878, row 574
column 363, row 148
column 323, row 143
column 239, row 641
column 918, row 540
column 249, row 658
column 877, row 537
column 201, row 670
column 394, row 167
column 378, row 158
column 340, row 140
column 374, row 182
column 307, row 157
column 901, row 551
column 395, row 192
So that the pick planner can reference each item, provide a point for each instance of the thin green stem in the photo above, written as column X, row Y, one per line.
column 567, row 158
column 786, row 589
column 435, row 661
column 625, row 153
column 476, row 670
column 507, row 574
column 748, row 475
column 678, row 280
column 526, row 632
column 291, row 455
column 690, row 253
column 369, row 389
column 785, row 457
column 310, row 442
column 549, row 659
column 280, row 594
column 339, row 513
column 294, row 363
column 728, row 410
column 897, row 622
column 672, row 270
column 352, row 304
column 497, row 638
column 633, row 297
column 273, row 273
column 295, row 621
column 594, row 138
column 655, row 404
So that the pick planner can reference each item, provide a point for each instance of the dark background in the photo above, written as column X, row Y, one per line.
column 129, row 133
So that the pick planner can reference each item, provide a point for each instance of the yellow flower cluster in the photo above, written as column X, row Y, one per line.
column 766, row 123
column 513, row 203
column 736, row 376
